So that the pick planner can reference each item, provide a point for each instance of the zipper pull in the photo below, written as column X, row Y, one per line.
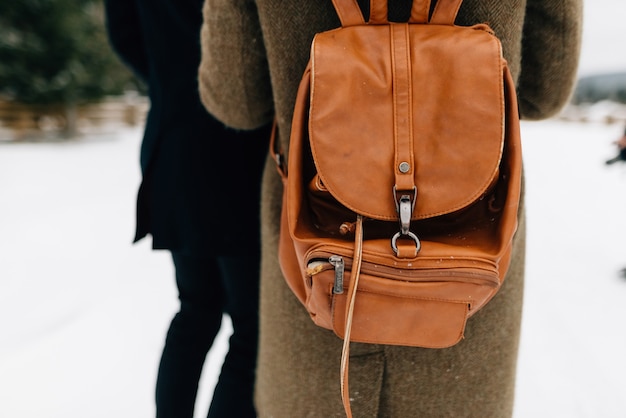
column 337, row 262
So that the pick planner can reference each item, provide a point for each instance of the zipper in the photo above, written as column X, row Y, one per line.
column 337, row 262
column 468, row 274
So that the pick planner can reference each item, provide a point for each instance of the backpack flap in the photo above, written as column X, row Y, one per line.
column 444, row 137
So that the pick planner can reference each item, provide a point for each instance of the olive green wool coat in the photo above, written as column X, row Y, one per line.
column 254, row 53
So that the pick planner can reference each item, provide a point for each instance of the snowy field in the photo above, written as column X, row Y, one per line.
column 83, row 313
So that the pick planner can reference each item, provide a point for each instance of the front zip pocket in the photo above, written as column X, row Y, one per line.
column 428, row 310
column 469, row 271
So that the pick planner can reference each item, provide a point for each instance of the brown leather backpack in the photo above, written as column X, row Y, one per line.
column 403, row 178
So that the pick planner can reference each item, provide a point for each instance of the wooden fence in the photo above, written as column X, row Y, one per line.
column 22, row 122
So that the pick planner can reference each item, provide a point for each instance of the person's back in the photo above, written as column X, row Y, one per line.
column 189, row 206
column 298, row 362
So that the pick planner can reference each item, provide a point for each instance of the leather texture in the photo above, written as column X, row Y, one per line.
column 387, row 109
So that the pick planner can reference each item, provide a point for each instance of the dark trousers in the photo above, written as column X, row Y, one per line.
column 209, row 287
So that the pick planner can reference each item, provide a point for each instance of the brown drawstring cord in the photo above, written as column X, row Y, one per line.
column 354, row 281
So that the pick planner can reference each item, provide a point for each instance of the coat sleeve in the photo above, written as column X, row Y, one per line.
column 124, row 32
column 550, row 53
column 233, row 75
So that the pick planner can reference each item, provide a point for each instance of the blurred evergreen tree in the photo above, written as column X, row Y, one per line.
column 57, row 52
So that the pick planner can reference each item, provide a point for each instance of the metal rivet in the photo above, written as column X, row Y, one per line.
column 404, row 167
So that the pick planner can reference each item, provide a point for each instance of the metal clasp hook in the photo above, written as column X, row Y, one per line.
column 405, row 204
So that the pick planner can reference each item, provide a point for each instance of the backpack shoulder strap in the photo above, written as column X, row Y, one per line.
column 419, row 11
column 350, row 14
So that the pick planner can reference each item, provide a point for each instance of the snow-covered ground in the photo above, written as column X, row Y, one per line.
column 83, row 313
column 571, row 360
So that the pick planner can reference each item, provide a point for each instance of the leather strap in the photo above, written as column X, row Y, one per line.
column 402, row 107
column 419, row 11
column 349, row 12
column 352, row 289
column 378, row 12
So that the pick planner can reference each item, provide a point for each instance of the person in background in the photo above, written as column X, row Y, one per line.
column 199, row 199
column 254, row 53
column 621, row 148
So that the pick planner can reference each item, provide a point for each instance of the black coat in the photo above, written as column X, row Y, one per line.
column 201, row 181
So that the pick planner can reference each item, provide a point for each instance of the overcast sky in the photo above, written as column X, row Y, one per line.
column 604, row 35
